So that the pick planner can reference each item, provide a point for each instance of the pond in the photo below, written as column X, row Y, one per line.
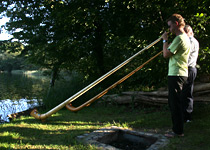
column 19, row 92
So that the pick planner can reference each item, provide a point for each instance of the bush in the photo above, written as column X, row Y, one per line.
column 64, row 89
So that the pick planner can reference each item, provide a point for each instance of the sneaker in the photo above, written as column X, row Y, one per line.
column 188, row 121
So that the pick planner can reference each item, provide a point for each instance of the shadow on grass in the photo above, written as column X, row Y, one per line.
column 62, row 127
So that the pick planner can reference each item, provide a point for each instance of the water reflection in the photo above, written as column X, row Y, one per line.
column 13, row 106
column 19, row 93
column 13, row 86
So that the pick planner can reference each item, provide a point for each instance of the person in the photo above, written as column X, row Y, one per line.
column 178, row 53
column 192, row 73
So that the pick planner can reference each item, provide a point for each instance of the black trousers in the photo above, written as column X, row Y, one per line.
column 175, row 85
column 188, row 93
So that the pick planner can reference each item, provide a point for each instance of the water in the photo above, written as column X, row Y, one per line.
column 13, row 106
column 19, row 86
column 19, row 93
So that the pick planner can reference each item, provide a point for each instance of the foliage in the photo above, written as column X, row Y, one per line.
column 62, row 91
column 12, row 57
column 66, row 88
column 10, row 61
column 92, row 37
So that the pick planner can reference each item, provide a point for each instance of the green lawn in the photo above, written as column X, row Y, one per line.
column 60, row 130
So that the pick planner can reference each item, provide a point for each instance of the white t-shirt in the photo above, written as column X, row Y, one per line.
column 193, row 52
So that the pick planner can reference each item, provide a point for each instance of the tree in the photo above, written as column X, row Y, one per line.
column 9, row 56
column 94, row 36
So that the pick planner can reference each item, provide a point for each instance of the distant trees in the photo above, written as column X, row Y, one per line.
column 94, row 36
column 8, row 60
column 11, row 57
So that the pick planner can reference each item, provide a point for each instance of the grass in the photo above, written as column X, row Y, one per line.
column 60, row 130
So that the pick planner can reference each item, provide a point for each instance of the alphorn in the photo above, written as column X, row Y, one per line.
column 42, row 117
column 74, row 109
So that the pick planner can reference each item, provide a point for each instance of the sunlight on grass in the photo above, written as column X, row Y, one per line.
column 56, row 114
column 12, row 135
column 5, row 145
column 50, row 146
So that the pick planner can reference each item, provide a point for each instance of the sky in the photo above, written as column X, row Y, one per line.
column 4, row 35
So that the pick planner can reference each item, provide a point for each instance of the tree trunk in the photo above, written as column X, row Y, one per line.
column 98, row 48
column 54, row 75
column 201, row 94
